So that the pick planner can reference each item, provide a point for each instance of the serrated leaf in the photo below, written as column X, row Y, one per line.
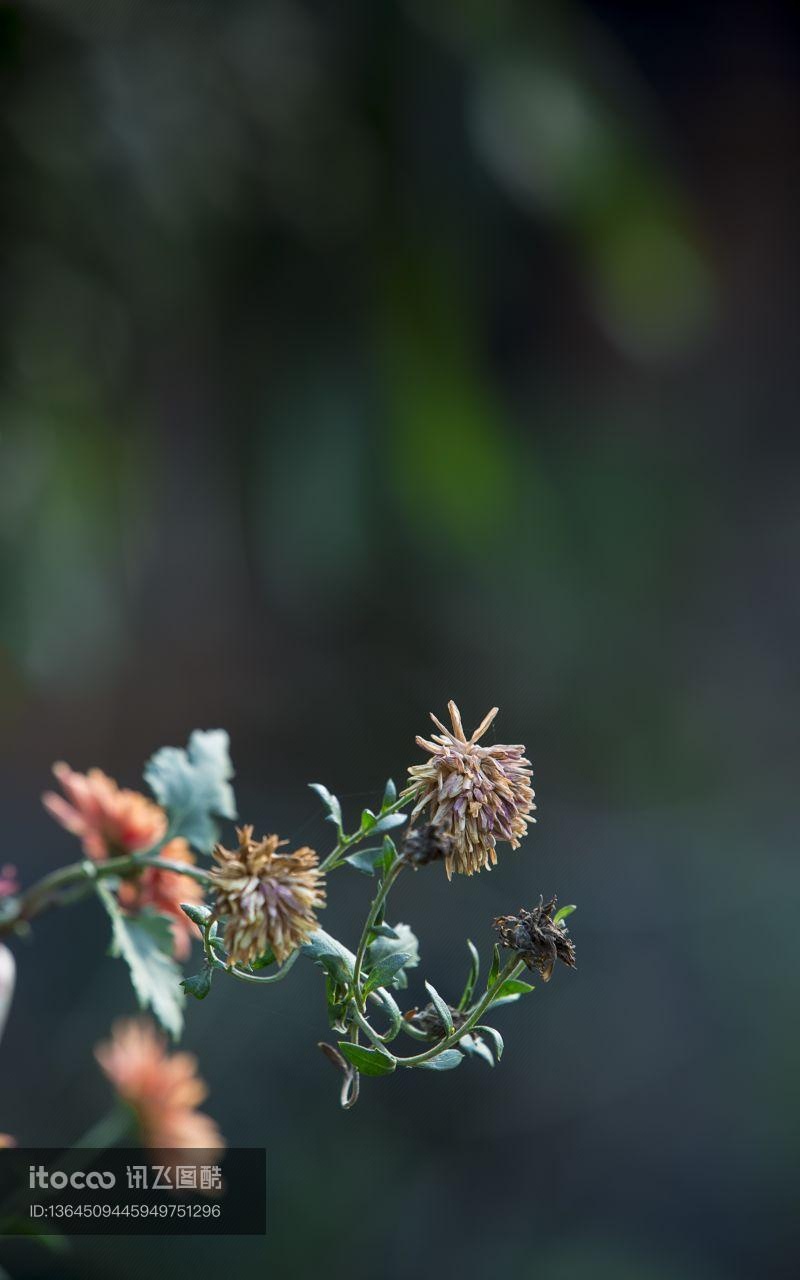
column 193, row 785
column 366, row 860
column 145, row 943
column 383, row 972
column 334, row 958
column 405, row 940
column 441, row 1007
column 445, row 1061
column 389, row 794
column 370, row 1062
column 495, row 1037
column 330, row 801
column 563, row 912
column 474, row 971
column 199, row 984
column 198, row 913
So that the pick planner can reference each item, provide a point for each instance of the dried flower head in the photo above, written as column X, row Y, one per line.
column 164, row 891
column 476, row 795
column 429, row 1021
column 267, row 897
column 162, row 1088
column 424, row 844
column 107, row 819
column 537, row 939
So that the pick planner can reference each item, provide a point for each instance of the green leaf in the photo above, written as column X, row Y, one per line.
column 475, row 1046
column 331, row 803
column 390, row 1008
column 563, row 912
column 495, row 967
column 334, row 958
column 389, row 795
column 383, row 972
column 405, row 940
column 368, row 821
column 198, row 913
column 513, row 987
column 388, row 822
column 383, row 931
column 445, row 1061
column 441, row 1008
column 496, row 1039
column 366, row 860
column 145, row 943
column 193, row 786
column 474, row 971
column 199, row 984
column 335, row 996
column 389, row 854
column 264, row 960
column 510, row 992
column 370, row 1062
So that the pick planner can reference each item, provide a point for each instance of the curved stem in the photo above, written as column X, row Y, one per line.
column 510, row 970
column 372, row 915
column 214, row 960
column 70, row 880
column 369, row 1031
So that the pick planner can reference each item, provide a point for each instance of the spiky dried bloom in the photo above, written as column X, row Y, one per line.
column 267, row 898
column 164, row 891
column 163, row 1089
column 107, row 819
column 424, row 844
column 537, row 939
column 476, row 795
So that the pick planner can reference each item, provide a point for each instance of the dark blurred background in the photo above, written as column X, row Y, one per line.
column 360, row 356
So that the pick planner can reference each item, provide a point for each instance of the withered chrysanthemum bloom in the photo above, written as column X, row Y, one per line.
column 476, row 795
column 267, row 897
column 537, row 939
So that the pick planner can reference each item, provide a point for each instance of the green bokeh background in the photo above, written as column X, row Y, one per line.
column 360, row 356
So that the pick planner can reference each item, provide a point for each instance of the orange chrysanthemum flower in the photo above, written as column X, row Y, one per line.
column 266, row 897
column 162, row 1088
column 8, row 881
column 475, row 795
column 107, row 819
column 164, row 891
